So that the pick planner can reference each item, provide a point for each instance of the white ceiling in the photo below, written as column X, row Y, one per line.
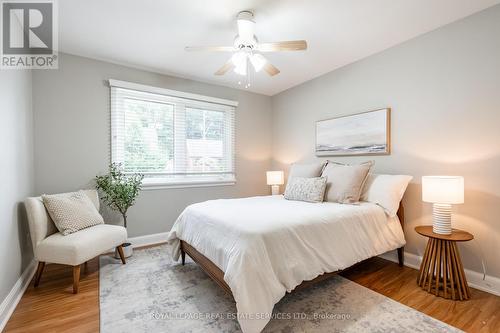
column 152, row 34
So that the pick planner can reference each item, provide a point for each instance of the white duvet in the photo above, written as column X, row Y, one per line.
column 268, row 245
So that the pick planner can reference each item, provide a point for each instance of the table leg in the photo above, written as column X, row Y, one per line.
column 432, row 266
column 425, row 260
column 452, row 280
column 438, row 266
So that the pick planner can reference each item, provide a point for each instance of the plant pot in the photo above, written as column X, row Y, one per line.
column 127, row 250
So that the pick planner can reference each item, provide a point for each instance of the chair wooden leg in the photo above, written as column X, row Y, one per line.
column 120, row 252
column 39, row 271
column 76, row 279
column 401, row 257
column 183, row 256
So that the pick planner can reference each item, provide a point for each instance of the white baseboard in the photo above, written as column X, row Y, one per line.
column 146, row 240
column 10, row 302
column 475, row 280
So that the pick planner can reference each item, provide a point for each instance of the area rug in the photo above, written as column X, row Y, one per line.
column 151, row 293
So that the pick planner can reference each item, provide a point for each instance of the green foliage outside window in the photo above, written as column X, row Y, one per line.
column 149, row 139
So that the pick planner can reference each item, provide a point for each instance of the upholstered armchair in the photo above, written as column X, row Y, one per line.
column 50, row 246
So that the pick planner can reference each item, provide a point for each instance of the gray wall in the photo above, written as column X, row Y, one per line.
column 16, row 168
column 72, row 137
column 444, row 91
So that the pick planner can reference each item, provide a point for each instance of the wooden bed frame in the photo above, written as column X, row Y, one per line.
column 218, row 275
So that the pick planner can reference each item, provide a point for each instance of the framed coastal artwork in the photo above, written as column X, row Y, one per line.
column 367, row 133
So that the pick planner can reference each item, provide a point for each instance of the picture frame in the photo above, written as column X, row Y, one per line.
column 365, row 133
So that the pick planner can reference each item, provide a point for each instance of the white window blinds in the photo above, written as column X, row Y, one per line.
column 173, row 138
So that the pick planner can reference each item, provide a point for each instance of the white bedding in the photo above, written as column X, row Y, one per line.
column 268, row 245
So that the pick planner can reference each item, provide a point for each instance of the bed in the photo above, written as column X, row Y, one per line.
column 259, row 248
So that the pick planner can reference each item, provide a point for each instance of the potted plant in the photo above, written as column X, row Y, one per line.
column 119, row 191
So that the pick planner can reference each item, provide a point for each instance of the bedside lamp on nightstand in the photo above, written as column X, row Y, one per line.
column 442, row 191
column 441, row 271
column 275, row 179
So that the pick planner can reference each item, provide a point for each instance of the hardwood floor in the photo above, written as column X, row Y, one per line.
column 479, row 314
column 52, row 307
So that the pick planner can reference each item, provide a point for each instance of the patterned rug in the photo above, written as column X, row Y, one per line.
column 151, row 293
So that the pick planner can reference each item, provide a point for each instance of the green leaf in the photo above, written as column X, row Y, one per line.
column 119, row 190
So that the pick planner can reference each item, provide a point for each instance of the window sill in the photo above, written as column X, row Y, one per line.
column 159, row 185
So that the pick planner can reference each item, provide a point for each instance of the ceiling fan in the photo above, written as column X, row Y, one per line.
column 248, row 50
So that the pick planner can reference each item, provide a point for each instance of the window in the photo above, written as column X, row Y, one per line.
column 173, row 138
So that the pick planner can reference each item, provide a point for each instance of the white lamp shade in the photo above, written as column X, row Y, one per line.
column 443, row 189
column 239, row 60
column 275, row 178
column 258, row 61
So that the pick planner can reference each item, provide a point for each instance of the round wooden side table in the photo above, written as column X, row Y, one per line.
column 441, row 271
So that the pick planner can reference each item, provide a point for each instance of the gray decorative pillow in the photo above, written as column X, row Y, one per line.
column 306, row 189
column 345, row 182
column 71, row 211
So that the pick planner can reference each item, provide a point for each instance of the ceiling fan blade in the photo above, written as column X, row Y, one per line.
column 225, row 68
column 270, row 69
column 291, row 45
column 210, row 48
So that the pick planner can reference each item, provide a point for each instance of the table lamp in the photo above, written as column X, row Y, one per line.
column 275, row 179
column 442, row 191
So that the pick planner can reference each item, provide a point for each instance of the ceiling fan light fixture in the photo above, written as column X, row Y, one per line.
column 239, row 60
column 241, row 70
column 246, row 26
column 258, row 61
column 249, row 50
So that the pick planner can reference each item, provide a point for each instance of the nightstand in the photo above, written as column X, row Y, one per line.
column 441, row 271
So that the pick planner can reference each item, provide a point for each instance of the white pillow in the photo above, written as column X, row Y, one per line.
column 345, row 182
column 385, row 191
column 306, row 189
column 306, row 170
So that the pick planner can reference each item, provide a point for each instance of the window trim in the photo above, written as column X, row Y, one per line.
column 171, row 93
column 155, row 184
